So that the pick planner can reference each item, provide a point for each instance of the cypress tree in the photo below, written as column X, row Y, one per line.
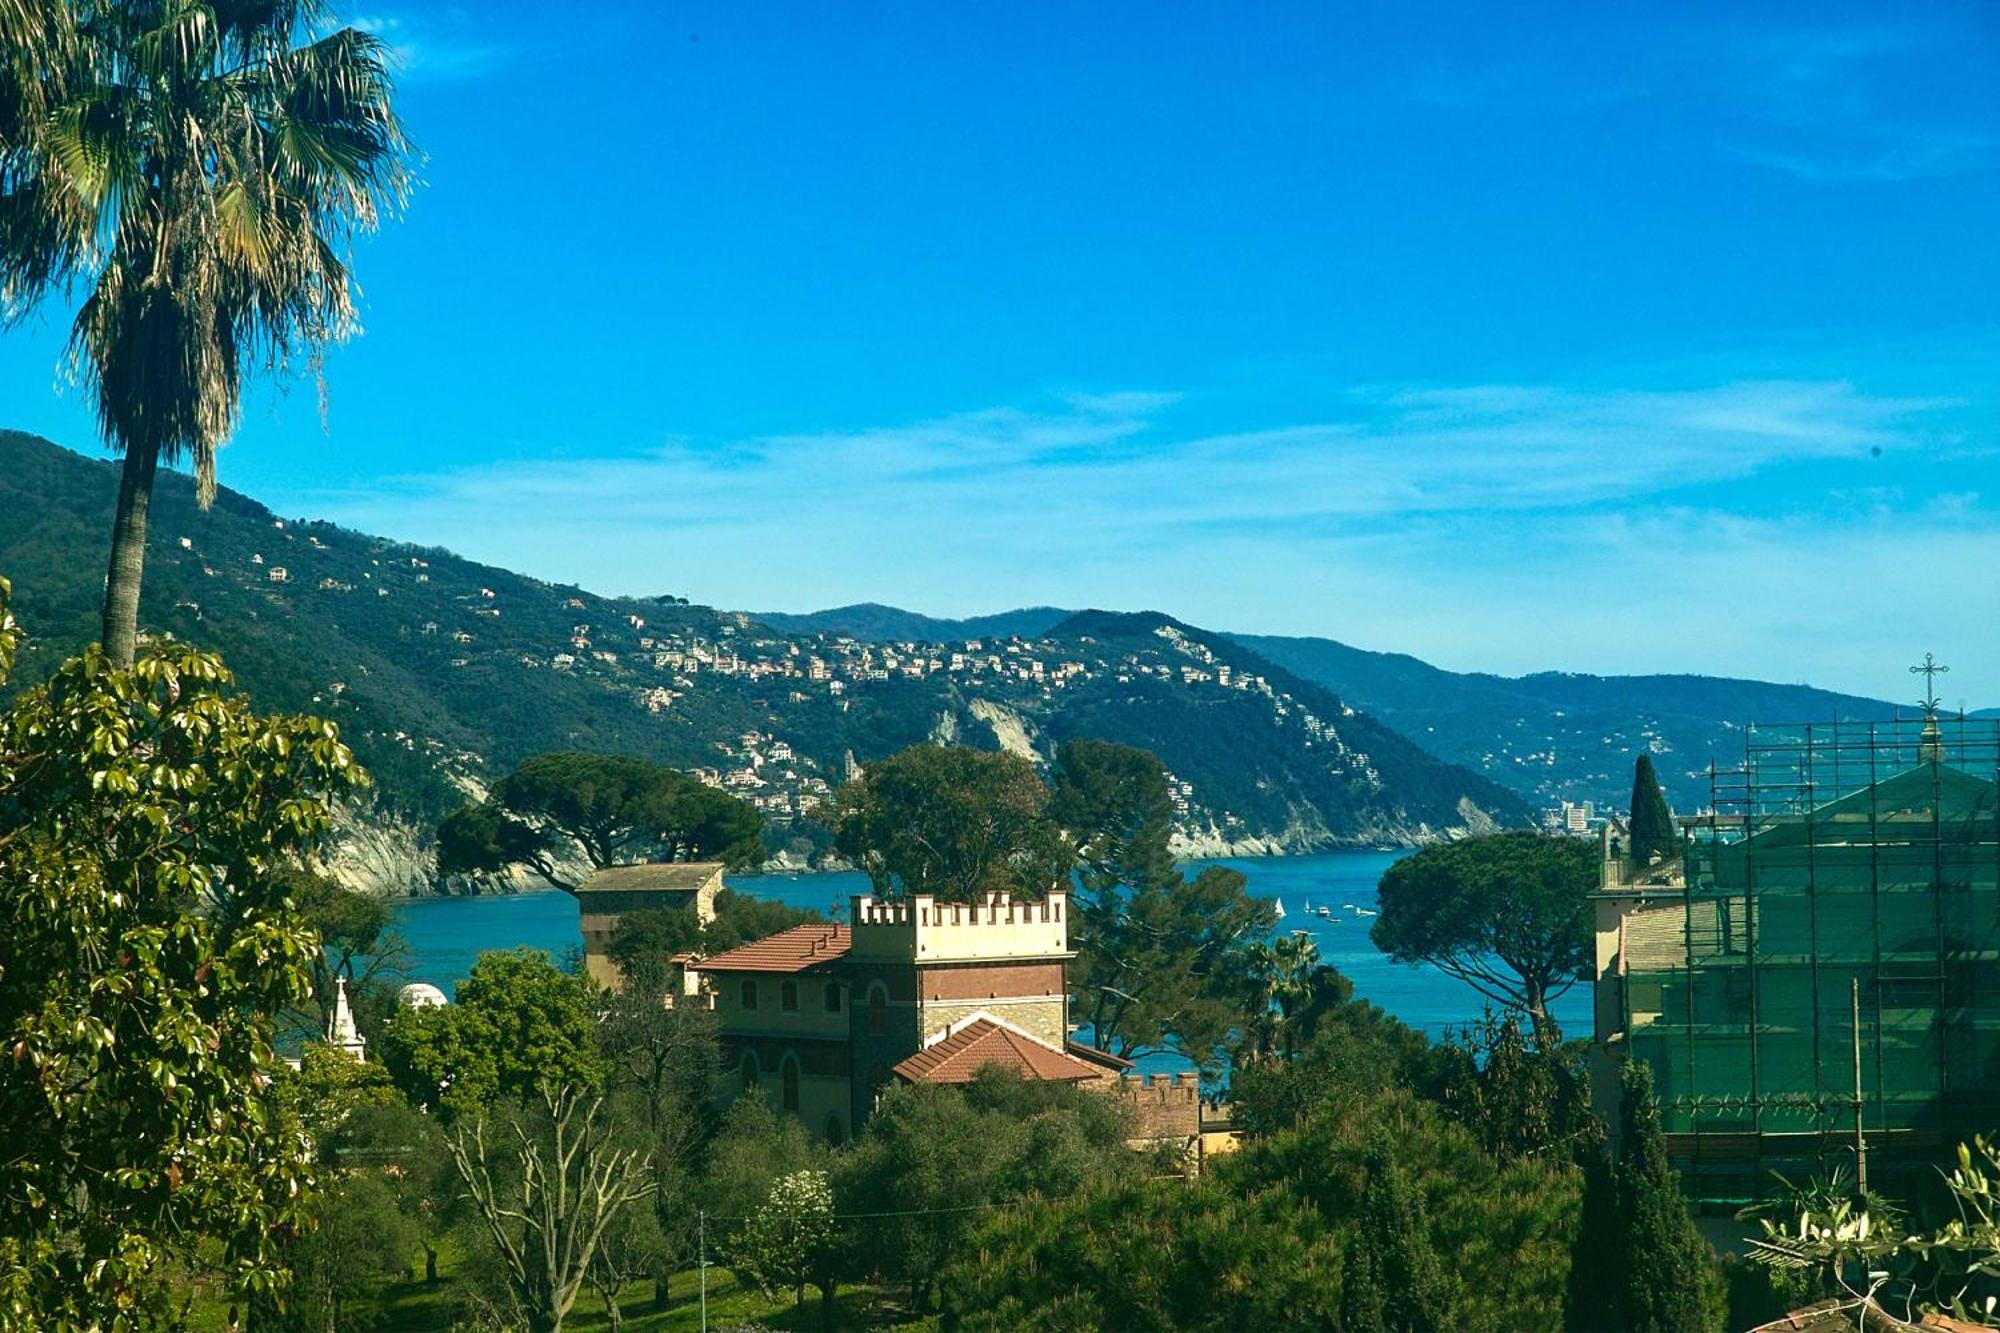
column 1395, row 1280
column 1652, row 821
column 1667, row 1280
column 1595, row 1282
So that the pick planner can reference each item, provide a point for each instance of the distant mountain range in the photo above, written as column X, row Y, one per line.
column 1549, row 737
column 444, row 672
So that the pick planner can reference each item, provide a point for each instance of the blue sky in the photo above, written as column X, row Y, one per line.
column 1610, row 338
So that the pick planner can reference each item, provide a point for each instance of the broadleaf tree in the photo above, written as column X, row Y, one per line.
column 146, row 947
column 950, row 821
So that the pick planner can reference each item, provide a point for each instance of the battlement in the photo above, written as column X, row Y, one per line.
column 998, row 926
column 1164, row 1089
column 1165, row 1106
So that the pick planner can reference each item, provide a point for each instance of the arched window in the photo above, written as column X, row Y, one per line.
column 836, row 1133
column 751, row 1074
column 749, row 995
column 833, row 997
column 788, row 1078
column 788, row 997
column 878, row 1009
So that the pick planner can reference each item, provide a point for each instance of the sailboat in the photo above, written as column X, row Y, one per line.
column 1281, row 909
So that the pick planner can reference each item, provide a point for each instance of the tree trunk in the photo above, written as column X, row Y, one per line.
column 662, row 1291
column 128, row 554
column 1535, row 997
column 430, row 1266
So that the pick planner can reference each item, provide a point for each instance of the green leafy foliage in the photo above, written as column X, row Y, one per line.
column 1830, row 1233
column 931, row 1156
column 1649, row 1270
column 520, row 1025
column 645, row 942
column 1522, row 1094
column 1508, row 914
column 786, row 1243
column 1132, row 1253
column 606, row 809
column 1395, row 1282
column 1377, row 1193
column 146, row 944
column 1160, row 956
column 1343, row 1047
column 952, row 822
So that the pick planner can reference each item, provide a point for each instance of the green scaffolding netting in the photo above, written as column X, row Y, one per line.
column 1843, row 863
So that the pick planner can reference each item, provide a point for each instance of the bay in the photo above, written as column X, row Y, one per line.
column 446, row 935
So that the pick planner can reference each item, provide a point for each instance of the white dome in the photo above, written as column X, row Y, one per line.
column 420, row 995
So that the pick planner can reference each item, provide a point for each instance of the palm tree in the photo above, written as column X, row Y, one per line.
column 1282, row 977
column 199, row 166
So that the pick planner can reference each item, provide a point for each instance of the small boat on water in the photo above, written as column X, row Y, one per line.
column 1326, row 914
column 1365, row 911
column 1347, row 907
column 1281, row 909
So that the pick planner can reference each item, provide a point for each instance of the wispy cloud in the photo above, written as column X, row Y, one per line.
column 442, row 45
column 1120, row 459
column 1445, row 521
column 1831, row 106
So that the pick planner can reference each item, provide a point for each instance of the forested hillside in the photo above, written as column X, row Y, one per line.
column 1548, row 737
column 444, row 672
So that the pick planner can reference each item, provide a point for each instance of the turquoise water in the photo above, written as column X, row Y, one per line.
column 447, row 934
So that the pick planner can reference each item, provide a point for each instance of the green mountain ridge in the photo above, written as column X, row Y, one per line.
column 1550, row 736
column 444, row 672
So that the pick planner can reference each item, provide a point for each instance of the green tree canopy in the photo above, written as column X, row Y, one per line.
column 604, row 810
column 145, row 948
column 644, row 942
column 1508, row 914
column 1160, row 956
column 952, row 822
column 199, row 172
column 519, row 1024
column 1652, row 826
column 1667, row 1279
column 947, row 1148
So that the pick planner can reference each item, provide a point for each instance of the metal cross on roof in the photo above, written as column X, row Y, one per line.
column 1930, row 669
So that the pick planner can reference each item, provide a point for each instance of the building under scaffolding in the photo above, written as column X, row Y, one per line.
column 1824, row 966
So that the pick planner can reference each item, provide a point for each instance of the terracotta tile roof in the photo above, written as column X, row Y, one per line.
column 653, row 875
column 795, row 950
column 959, row 1057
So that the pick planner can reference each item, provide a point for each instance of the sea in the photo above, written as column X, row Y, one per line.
column 446, row 935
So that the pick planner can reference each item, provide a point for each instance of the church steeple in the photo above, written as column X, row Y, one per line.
column 1930, row 748
column 340, row 1029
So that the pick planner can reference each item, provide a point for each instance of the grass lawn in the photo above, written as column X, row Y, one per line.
column 412, row 1306
column 409, row 1306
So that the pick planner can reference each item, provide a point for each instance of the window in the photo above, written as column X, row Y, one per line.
column 751, row 1074
column 749, row 995
column 878, row 1009
column 836, row 1133
column 788, row 997
column 789, row 1078
column 833, row 997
